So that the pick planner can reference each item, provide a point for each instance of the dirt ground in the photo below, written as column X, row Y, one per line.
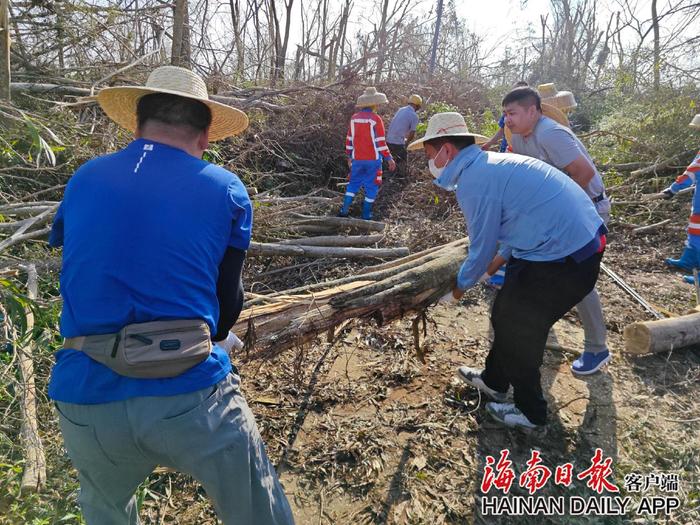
column 363, row 432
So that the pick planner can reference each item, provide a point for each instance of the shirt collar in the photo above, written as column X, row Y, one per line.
column 450, row 175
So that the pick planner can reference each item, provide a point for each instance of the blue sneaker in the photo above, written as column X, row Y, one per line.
column 590, row 363
column 689, row 279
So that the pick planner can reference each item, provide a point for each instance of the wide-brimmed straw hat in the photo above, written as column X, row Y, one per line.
column 446, row 125
column 695, row 123
column 371, row 97
column 563, row 100
column 120, row 102
column 555, row 114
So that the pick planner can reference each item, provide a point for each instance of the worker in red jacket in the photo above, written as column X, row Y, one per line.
column 365, row 146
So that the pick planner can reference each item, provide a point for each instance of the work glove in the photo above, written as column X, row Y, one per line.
column 231, row 343
column 667, row 194
column 448, row 298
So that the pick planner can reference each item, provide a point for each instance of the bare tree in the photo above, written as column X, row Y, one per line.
column 181, row 54
column 4, row 50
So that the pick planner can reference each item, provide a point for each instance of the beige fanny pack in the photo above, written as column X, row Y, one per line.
column 157, row 349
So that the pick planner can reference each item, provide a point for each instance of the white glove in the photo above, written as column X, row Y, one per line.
column 448, row 298
column 230, row 343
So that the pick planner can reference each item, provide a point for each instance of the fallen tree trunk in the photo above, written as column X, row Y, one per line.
column 663, row 335
column 278, row 321
column 258, row 249
column 335, row 240
column 331, row 225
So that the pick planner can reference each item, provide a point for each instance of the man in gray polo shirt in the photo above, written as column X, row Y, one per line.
column 540, row 137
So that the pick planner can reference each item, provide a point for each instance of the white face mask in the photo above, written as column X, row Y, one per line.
column 434, row 170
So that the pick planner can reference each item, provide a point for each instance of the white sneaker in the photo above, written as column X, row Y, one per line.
column 511, row 416
column 472, row 376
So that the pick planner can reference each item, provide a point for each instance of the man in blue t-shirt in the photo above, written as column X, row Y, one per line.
column 154, row 234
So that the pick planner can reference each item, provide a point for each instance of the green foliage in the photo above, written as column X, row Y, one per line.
column 641, row 127
column 430, row 110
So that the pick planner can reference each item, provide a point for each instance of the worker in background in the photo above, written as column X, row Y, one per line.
column 690, row 258
column 556, row 238
column 365, row 146
column 500, row 136
column 402, row 130
column 538, row 136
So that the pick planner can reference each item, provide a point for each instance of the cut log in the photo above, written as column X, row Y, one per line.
column 258, row 249
column 275, row 322
column 663, row 335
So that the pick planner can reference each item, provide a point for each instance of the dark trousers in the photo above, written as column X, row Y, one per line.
column 535, row 295
column 400, row 155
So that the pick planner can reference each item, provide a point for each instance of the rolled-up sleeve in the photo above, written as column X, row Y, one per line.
column 483, row 217
column 505, row 251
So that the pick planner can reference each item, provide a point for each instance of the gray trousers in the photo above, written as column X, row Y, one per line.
column 210, row 434
column 590, row 311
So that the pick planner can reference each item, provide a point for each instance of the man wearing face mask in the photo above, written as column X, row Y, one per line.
column 557, row 241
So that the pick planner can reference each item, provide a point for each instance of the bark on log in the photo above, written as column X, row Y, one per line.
column 663, row 335
column 258, row 249
column 335, row 240
column 296, row 316
column 34, row 474
column 338, row 223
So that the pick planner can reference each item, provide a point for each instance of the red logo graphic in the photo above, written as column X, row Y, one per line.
column 598, row 474
column 536, row 475
column 504, row 477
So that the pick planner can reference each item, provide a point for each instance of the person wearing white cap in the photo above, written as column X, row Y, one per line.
column 366, row 146
column 556, row 238
column 539, row 136
column 690, row 258
column 402, row 130
column 154, row 239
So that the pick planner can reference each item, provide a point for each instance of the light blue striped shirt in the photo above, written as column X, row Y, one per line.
column 520, row 202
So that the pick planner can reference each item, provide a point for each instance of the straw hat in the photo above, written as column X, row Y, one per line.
column 120, row 102
column 446, row 125
column 555, row 114
column 563, row 100
column 695, row 123
column 415, row 99
column 371, row 97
